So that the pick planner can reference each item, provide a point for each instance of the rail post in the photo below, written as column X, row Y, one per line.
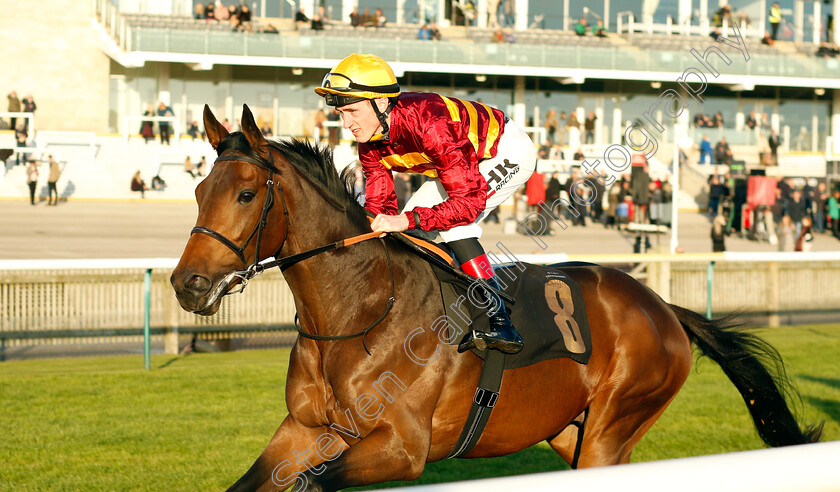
column 709, row 282
column 147, row 308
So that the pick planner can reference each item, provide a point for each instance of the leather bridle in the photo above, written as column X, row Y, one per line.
column 257, row 268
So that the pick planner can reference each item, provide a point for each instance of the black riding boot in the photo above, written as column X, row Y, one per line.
column 501, row 334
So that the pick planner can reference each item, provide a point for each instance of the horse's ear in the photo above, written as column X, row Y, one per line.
column 214, row 130
column 255, row 137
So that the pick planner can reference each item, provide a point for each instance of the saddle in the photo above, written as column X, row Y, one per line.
column 547, row 310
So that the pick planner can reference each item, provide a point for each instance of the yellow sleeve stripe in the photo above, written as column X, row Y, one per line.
column 473, row 135
column 406, row 161
column 492, row 131
column 453, row 108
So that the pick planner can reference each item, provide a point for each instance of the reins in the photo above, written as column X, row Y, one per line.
column 284, row 263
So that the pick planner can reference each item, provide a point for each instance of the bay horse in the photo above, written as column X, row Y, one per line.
column 360, row 411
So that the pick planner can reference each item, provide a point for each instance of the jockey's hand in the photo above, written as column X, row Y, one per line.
column 389, row 223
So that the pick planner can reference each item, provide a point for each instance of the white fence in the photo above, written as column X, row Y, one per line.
column 806, row 468
column 61, row 301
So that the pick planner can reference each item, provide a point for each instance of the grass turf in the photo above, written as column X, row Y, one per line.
column 198, row 422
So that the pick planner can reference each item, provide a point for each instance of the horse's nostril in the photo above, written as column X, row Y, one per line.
column 198, row 285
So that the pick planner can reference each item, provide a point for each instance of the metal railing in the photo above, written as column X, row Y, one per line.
column 65, row 301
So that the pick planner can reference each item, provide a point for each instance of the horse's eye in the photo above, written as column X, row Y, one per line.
column 246, row 197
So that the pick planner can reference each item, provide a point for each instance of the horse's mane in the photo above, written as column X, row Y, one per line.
column 314, row 161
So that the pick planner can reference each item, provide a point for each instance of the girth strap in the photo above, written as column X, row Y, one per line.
column 486, row 396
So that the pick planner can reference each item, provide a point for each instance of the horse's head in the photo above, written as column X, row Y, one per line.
column 240, row 216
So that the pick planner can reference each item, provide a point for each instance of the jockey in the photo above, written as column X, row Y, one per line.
column 476, row 155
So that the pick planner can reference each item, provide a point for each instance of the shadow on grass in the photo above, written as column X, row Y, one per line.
column 536, row 459
column 830, row 382
column 172, row 361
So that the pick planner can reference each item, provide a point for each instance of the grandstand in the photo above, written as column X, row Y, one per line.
column 97, row 71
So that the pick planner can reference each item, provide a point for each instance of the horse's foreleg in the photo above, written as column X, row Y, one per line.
column 383, row 455
column 288, row 454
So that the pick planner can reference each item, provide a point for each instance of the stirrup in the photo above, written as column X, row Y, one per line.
column 493, row 340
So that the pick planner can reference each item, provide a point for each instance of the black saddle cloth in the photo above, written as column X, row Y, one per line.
column 549, row 312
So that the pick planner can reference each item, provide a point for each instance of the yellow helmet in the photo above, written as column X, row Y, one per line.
column 356, row 78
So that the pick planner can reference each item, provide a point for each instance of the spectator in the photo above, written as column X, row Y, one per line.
column 434, row 32
column 545, row 150
column 723, row 155
column 826, row 51
column 266, row 130
column 198, row 12
column 819, row 198
column 751, row 121
column 21, row 140
column 222, row 13
column 561, row 129
column 164, row 110
column 767, row 40
column 147, row 130
column 201, row 167
column 355, row 17
column 579, row 155
column 158, row 184
column 785, row 232
column 551, row 125
column 188, row 167
column 137, row 184
column 589, row 127
column 52, row 181
column 499, row 36
column 774, row 142
column 834, row 213
column 721, row 15
column 368, row 19
column 492, row 13
column 705, row 150
column 423, row 33
column 775, row 18
column 797, row 211
column 381, row 20
column 210, row 12
column 573, row 125
column 300, row 19
column 29, row 106
column 764, row 156
column 716, row 192
column 32, row 179
column 581, row 29
column 317, row 23
column 233, row 15
column 718, row 120
column 718, row 234
column 805, row 239
column 14, row 107
column 599, row 30
column 194, row 131
column 245, row 17
column 510, row 37
column 715, row 34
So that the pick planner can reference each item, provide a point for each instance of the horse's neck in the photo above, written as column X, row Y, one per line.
column 338, row 285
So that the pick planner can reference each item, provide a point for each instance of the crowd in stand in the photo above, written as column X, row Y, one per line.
column 790, row 221
column 239, row 16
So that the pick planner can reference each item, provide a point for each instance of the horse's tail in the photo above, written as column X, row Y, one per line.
column 756, row 369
